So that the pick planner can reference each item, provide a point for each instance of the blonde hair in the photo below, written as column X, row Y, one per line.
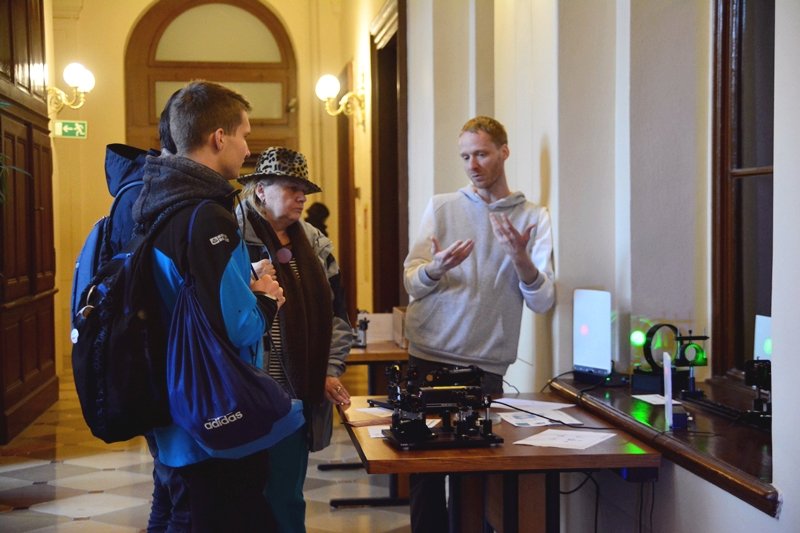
column 492, row 127
column 249, row 192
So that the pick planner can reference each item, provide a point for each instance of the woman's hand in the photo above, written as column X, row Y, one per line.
column 265, row 268
column 270, row 287
column 335, row 391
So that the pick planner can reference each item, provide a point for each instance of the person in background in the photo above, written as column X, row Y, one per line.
column 307, row 346
column 316, row 215
column 209, row 127
column 169, row 508
column 482, row 252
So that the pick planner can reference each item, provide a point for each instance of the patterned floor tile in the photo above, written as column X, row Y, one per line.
column 26, row 521
column 103, row 480
column 88, row 505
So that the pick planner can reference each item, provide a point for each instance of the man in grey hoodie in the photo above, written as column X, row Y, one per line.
column 480, row 254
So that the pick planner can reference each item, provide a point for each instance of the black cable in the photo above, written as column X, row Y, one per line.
column 588, row 477
column 641, row 505
column 551, row 380
column 581, row 392
column 596, row 501
column 553, row 420
column 512, row 386
column 579, row 487
column 652, row 503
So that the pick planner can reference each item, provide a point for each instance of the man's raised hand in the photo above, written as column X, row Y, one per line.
column 450, row 257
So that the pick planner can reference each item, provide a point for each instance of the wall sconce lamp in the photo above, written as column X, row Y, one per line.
column 327, row 90
column 81, row 81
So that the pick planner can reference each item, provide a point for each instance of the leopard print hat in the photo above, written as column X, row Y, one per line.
column 280, row 162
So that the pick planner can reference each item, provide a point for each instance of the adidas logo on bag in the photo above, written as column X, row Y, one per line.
column 214, row 423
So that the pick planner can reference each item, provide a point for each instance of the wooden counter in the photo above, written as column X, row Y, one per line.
column 733, row 456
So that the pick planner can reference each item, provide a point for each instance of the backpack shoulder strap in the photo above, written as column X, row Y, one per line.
column 187, row 275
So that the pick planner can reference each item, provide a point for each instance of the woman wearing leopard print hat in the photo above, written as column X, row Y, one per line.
column 308, row 344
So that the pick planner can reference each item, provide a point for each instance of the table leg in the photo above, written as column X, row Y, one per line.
column 553, row 501
column 467, row 495
column 396, row 496
column 525, row 503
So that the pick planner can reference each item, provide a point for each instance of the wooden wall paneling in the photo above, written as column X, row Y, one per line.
column 28, row 381
column 5, row 40
column 20, row 44
column 11, row 345
column 44, row 260
column 27, row 374
column 36, row 43
column 16, row 229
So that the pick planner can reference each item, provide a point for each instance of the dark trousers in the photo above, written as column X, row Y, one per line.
column 429, row 508
column 169, row 511
column 227, row 495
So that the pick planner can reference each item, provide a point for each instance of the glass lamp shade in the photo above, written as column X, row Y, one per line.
column 78, row 76
column 327, row 87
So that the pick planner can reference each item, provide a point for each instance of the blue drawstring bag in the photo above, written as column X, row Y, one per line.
column 227, row 405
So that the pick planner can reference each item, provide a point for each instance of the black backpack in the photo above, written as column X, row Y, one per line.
column 97, row 249
column 124, row 169
column 119, row 344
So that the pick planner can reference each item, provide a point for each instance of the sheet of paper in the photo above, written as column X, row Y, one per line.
column 525, row 420
column 376, row 432
column 655, row 399
column 376, row 411
column 530, row 405
column 564, row 438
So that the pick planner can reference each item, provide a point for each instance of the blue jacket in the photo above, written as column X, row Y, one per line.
column 221, row 270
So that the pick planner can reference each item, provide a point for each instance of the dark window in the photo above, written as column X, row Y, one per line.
column 742, row 191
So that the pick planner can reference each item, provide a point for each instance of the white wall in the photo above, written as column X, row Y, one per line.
column 786, row 256
column 669, row 145
column 526, row 44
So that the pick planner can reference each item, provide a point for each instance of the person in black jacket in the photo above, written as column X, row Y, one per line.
column 209, row 126
column 169, row 508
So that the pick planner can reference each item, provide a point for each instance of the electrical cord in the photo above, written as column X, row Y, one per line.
column 652, row 502
column 511, row 385
column 588, row 477
column 551, row 380
column 641, row 505
column 579, row 487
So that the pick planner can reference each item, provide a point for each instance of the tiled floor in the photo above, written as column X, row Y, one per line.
column 56, row 476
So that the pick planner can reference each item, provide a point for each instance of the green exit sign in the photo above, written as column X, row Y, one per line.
column 75, row 129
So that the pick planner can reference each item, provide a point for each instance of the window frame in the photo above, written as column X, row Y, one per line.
column 729, row 337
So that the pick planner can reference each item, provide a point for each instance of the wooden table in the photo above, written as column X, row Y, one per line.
column 501, row 481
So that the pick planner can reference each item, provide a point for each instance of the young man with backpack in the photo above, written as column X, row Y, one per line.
column 209, row 126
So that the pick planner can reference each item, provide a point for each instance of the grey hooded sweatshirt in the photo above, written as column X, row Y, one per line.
column 472, row 315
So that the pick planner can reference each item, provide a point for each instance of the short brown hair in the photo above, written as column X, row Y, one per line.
column 493, row 129
column 201, row 108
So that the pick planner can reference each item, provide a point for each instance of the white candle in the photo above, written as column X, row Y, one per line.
column 667, row 391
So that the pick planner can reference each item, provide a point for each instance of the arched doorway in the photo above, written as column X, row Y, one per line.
column 171, row 45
